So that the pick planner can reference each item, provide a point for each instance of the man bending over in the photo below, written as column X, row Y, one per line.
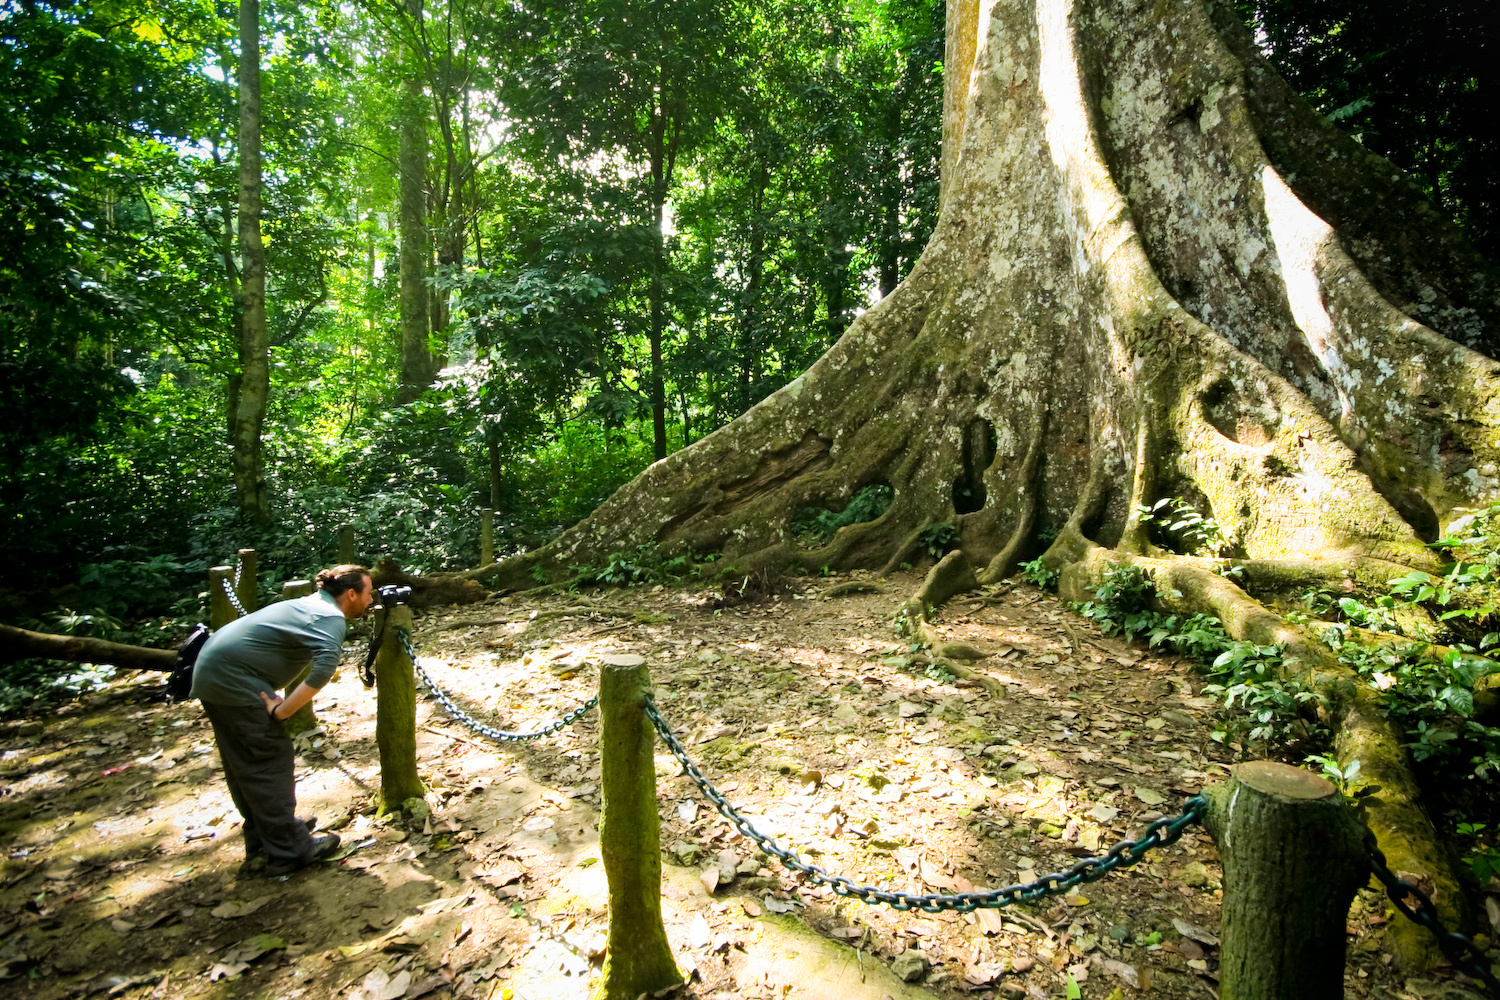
column 238, row 677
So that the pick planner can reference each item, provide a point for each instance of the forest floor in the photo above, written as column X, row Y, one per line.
column 123, row 873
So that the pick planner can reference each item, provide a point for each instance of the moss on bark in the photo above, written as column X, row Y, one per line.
column 396, row 715
column 639, row 960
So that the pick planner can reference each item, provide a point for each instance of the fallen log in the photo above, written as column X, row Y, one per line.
column 22, row 644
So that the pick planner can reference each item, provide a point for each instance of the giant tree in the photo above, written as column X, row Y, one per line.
column 1157, row 273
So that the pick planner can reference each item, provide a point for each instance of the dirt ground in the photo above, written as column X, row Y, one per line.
column 124, row 876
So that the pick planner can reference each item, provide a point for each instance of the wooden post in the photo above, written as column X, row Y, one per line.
column 304, row 718
column 638, row 960
column 395, row 714
column 220, row 611
column 1293, row 856
column 346, row 544
column 249, row 589
column 486, row 537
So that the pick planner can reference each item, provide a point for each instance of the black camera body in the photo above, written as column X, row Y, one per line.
column 393, row 594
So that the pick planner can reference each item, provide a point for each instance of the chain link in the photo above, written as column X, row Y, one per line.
column 234, row 598
column 474, row 724
column 1124, row 854
column 1463, row 953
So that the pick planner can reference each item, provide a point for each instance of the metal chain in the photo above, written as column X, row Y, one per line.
column 1462, row 952
column 479, row 727
column 1124, row 854
column 229, row 593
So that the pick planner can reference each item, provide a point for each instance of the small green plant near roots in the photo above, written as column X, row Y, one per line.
column 1036, row 572
column 814, row 526
column 643, row 565
column 1428, row 691
column 1257, row 705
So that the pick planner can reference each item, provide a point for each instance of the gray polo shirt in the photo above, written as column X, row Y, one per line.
column 265, row 650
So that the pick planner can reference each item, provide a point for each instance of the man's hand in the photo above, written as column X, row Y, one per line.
column 271, row 704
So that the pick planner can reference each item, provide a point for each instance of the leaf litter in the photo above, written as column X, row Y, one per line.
column 809, row 714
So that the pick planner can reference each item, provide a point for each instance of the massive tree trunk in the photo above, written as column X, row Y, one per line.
column 251, row 387
column 1157, row 273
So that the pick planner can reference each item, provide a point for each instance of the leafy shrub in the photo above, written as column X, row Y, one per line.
column 1182, row 527
column 816, row 525
column 937, row 538
column 1037, row 573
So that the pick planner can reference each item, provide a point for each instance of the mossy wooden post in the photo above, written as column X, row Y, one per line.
column 639, row 960
column 486, row 536
column 248, row 589
column 303, row 719
column 346, row 544
column 395, row 714
column 220, row 611
column 1293, row 856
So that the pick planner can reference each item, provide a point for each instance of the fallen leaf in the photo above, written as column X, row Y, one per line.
column 1150, row 797
column 1126, row 973
column 688, row 811
column 1188, row 930
column 379, row 985
column 226, row 970
column 231, row 909
column 444, row 905
column 751, row 907
column 778, row 905
column 698, row 932
column 710, row 879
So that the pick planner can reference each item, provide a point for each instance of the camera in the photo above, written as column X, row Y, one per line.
column 393, row 594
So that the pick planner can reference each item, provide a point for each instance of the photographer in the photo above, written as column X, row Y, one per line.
column 237, row 678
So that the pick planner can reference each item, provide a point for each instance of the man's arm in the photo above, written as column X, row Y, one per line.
column 284, row 708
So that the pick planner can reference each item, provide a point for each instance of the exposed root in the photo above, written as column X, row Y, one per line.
column 1385, row 784
column 952, row 575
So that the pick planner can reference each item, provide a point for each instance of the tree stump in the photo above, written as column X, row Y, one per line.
column 220, row 611
column 639, row 960
column 395, row 714
column 248, row 587
column 1293, row 855
column 346, row 544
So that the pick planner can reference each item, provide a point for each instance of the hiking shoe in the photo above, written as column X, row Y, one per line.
column 257, row 852
column 322, row 848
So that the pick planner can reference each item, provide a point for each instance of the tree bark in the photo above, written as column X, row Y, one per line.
column 251, row 390
column 396, row 715
column 21, row 644
column 1157, row 273
column 1293, row 856
column 639, row 959
column 418, row 365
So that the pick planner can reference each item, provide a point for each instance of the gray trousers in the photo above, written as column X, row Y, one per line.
column 258, row 764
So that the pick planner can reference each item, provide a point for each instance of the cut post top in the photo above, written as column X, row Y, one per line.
column 1284, row 780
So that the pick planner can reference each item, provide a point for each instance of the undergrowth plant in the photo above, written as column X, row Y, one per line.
column 1257, row 705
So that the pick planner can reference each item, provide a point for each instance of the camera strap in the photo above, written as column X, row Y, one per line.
column 367, row 672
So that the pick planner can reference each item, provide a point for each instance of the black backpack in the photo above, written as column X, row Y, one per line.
column 180, row 681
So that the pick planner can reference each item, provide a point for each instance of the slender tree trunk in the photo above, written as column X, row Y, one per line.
column 658, row 326
column 418, row 366
column 252, row 388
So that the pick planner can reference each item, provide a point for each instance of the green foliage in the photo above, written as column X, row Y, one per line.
column 937, row 538
column 1411, row 88
column 1257, row 704
column 1181, row 527
column 645, row 565
column 1122, row 602
column 816, row 525
column 1037, row 573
